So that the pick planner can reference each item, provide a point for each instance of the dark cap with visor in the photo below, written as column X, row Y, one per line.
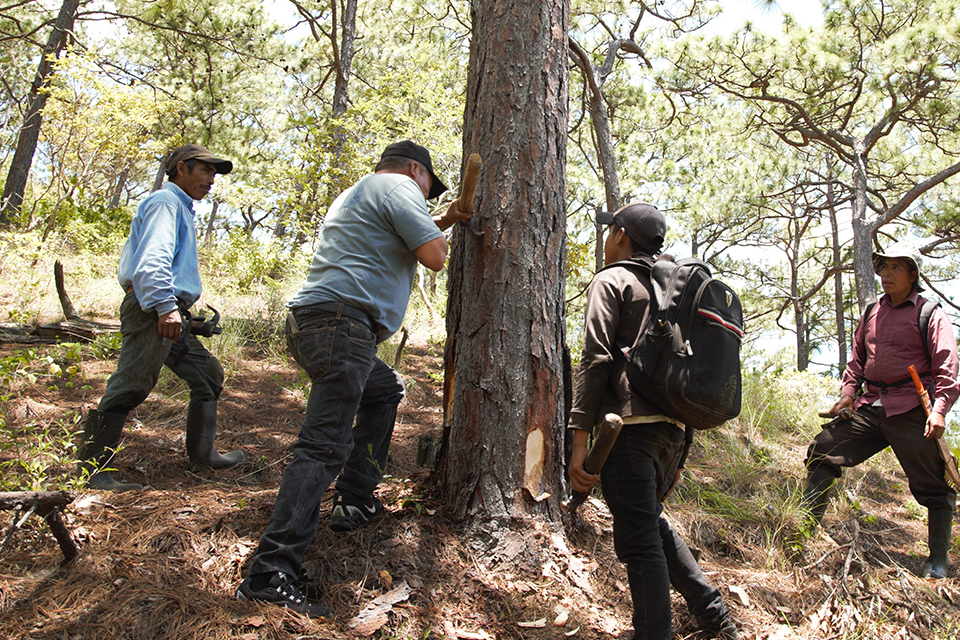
column 412, row 150
column 196, row 152
column 645, row 225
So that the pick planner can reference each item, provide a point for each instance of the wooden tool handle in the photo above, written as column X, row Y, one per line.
column 607, row 434
column 952, row 472
column 469, row 186
column 924, row 396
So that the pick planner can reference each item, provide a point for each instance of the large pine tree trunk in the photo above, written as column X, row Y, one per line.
column 16, row 183
column 505, row 311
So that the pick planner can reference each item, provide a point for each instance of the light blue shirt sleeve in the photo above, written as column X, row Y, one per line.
column 159, row 258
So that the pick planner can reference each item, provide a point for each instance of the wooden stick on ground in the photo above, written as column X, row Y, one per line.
column 48, row 505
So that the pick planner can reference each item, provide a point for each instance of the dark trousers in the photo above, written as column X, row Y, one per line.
column 349, row 381
column 144, row 352
column 634, row 479
column 869, row 432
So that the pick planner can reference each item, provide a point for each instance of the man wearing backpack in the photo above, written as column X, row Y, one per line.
column 888, row 412
column 644, row 463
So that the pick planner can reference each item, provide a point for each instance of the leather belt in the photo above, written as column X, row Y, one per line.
column 339, row 309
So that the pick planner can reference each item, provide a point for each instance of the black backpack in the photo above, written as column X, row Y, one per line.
column 686, row 359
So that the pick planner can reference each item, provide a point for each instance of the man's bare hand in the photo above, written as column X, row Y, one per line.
column 452, row 216
column 936, row 425
column 580, row 480
column 170, row 324
column 846, row 402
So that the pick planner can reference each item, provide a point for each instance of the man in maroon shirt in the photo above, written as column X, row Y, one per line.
column 888, row 411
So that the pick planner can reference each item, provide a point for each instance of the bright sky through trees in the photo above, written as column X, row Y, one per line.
column 765, row 16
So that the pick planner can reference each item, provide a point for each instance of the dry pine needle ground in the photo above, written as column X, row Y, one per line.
column 164, row 563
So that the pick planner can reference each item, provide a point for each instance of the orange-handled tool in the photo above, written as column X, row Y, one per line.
column 953, row 474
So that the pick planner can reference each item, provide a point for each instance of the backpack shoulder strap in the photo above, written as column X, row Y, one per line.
column 863, row 337
column 923, row 319
column 645, row 265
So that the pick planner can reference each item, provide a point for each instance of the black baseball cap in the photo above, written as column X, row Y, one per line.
column 196, row 152
column 412, row 150
column 645, row 225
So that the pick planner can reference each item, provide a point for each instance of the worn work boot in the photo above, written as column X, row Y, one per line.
column 816, row 493
column 201, row 432
column 939, row 528
column 101, row 435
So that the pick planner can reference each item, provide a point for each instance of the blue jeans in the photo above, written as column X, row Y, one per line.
column 634, row 479
column 349, row 382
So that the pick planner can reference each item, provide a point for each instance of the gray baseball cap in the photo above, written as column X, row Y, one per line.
column 645, row 225
column 903, row 250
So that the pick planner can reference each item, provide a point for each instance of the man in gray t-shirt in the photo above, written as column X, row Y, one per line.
column 354, row 297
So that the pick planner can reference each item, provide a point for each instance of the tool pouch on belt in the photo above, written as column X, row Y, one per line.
column 196, row 325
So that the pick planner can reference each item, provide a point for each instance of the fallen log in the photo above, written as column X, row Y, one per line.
column 46, row 504
column 53, row 333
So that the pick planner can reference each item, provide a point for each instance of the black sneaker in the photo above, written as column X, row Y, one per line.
column 350, row 513
column 723, row 629
column 282, row 590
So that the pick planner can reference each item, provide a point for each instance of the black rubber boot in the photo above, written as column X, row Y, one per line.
column 201, row 432
column 101, row 435
column 939, row 529
column 816, row 493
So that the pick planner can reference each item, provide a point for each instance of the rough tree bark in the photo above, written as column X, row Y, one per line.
column 505, row 309
column 16, row 183
column 595, row 78
column 343, row 59
column 863, row 231
column 838, row 276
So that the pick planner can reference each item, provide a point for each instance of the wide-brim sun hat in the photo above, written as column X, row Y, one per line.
column 903, row 250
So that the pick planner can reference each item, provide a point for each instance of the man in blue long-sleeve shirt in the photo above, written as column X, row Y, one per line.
column 160, row 273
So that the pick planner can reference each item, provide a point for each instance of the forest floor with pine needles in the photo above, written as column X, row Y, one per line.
column 163, row 563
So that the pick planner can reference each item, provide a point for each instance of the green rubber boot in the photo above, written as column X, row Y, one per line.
column 939, row 529
column 101, row 435
column 201, row 432
column 816, row 493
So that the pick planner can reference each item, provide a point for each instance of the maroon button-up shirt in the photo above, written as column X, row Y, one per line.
column 887, row 342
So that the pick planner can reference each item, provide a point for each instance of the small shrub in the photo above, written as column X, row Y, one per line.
column 106, row 345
